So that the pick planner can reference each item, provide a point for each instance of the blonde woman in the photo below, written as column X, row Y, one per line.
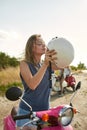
column 35, row 77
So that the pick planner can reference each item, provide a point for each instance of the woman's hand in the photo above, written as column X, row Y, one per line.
column 50, row 56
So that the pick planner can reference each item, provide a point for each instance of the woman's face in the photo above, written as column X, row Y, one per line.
column 39, row 47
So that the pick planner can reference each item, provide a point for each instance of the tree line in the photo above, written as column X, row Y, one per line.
column 80, row 66
column 7, row 61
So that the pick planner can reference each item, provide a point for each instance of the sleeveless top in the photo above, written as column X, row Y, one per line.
column 38, row 98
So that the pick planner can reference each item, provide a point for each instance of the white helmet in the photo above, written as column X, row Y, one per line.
column 64, row 49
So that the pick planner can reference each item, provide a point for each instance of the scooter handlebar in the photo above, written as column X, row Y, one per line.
column 19, row 117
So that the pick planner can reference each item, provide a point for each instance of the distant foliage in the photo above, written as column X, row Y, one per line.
column 73, row 68
column 81, row 66
column 6, row 61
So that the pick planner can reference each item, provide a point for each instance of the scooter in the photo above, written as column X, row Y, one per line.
column 68, row 82
column 58, row 118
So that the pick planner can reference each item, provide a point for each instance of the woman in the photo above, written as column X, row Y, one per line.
column 35, row 76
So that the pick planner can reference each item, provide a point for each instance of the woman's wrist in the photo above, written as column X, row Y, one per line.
column 45, row 64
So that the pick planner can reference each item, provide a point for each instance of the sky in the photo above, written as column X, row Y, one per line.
column 19, row 19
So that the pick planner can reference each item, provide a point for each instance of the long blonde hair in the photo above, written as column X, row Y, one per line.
column 29, row 57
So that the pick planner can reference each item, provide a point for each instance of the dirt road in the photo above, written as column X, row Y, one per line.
column 80, row 102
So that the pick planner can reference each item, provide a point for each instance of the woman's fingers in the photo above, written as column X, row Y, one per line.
column 51, row 53
column 50, row 56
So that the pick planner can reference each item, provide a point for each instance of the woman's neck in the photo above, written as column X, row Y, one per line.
column 37, row 59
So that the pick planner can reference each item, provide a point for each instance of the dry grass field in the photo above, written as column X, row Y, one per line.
column 80, row 101
column 9, row 75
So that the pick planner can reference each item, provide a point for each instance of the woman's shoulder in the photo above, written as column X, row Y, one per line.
column 23, row 63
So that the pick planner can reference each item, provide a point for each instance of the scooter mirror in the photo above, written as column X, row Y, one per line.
column 13, row 93
column 78, row 85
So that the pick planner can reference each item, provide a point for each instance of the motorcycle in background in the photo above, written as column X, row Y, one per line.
column 58, row 118
column 69, row 81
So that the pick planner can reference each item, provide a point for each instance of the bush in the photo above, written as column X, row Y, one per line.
column 6, row 60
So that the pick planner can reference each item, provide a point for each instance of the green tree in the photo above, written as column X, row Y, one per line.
column 6, row 60
column 13, row 62
column 73, row 68
column 81, row 66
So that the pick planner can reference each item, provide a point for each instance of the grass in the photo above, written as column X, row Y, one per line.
column 9, row 77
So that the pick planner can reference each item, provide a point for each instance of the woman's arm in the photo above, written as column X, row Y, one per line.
column 32, row 81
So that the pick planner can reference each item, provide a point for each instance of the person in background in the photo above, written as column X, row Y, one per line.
column 35, row 77
column 67, row 71
column 61, row 79
column 63, row 74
